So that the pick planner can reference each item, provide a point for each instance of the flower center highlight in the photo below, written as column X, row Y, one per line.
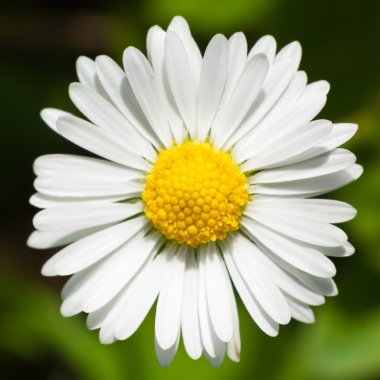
column 195, row 193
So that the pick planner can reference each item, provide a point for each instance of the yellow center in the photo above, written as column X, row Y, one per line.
column 195, row 193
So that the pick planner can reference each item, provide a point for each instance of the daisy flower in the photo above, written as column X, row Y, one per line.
column 206, row 183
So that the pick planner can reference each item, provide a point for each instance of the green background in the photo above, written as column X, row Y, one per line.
column 39, row 42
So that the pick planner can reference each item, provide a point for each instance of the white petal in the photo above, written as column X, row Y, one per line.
column 67, row 163
column 276, row 81
column 300, row 311
column 156, row 52
column 270, row 122
column 145, row 87
column 339, row 135
column 82, row 184
column 323, row 286
column 263, row 320
column 169, row 304
column 343, row 251
column 303, row 229
column 217, row 361
column 99, row 317
column 118, row 87
column 244, row 94
column 337, row 160
column 109, row 276
column 106, row 279
column 155, row 46
column 91, row 249
column 86, row 71
column 218, row 302
column 212, row 83
column 51, row 115
column 237, row 59
column 181, row 80
column 311, row 187
column 87, row 75
column 117, row 270
column 47, row 239
column 266, row 45
column 190, row 318
column 165, row 357
column 76, row 186
column 211, row 343
column 106, row 335
column 295, row 253
column 179, row 26
column 98, row 141
column 292, row 140
column 140, row 295
column 322, row 210
column 46, row 201
column 293, row 51
column 288, row 282
column 234, row 345
column 247, row 258
column 68, row 176
column 320, row 87
column 73, row 283
column 82, row 216
column 278, row 78
column 104, row 115
column 291, row 94
column 311, row 289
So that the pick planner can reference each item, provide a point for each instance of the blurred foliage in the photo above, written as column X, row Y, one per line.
column 209, row 17
column 40, row 42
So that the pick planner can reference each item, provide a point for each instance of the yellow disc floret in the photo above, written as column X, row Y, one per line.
column 195, row 193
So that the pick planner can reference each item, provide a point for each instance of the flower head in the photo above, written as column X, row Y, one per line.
column 208, row 169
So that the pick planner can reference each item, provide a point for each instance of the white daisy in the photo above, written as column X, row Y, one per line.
column 209, row 165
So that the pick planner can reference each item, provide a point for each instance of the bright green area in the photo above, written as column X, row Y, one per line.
column 341, row 43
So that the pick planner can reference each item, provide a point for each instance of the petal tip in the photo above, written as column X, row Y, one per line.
column 48, row 269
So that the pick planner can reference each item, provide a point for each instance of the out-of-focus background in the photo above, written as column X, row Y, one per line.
column 39, row 43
